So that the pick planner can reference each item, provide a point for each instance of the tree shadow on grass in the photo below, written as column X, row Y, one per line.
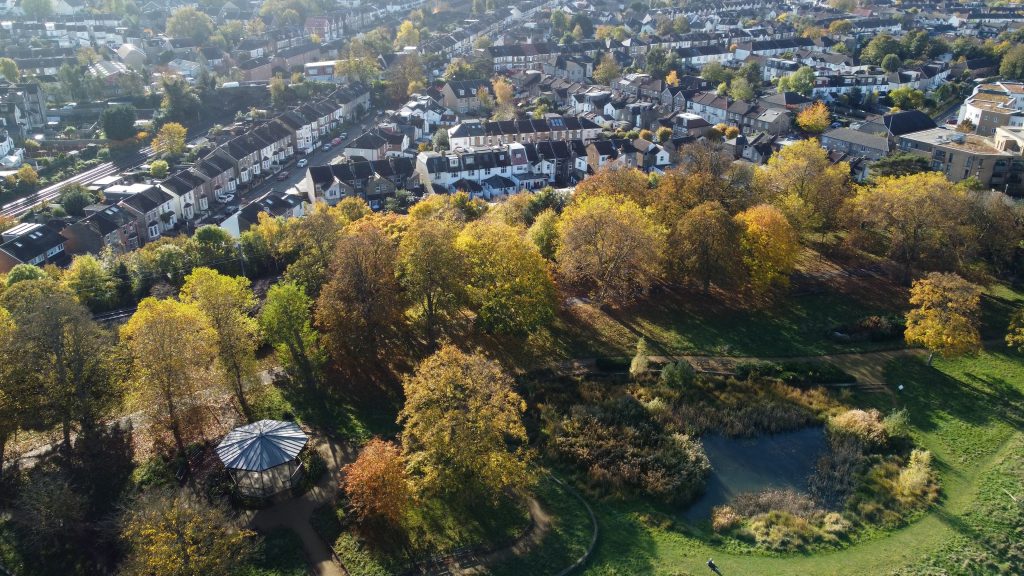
column 928, row 392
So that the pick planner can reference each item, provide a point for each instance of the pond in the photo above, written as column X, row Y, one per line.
column 740, row 465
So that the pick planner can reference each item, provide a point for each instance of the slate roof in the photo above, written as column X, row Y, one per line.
column 36, row 240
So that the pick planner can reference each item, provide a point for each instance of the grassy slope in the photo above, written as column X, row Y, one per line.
column 967, row 411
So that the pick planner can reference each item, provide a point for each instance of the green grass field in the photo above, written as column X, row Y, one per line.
column 969, row 412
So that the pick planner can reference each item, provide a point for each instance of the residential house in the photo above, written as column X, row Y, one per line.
column 111, row 226
column 155, row 210
column 855, row 142
column 30, row 243
column 552, row 127
column 462, row 96
column 276, row 204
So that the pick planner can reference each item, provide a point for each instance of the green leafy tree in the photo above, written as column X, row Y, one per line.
column 740, row 89
column 801, row 81
column 891, row 63
column 158, row 169
column 878, row 48
column 286, row 319
column 9, row 70
column 906, row 98
column 37, row 9
column 1012, row 64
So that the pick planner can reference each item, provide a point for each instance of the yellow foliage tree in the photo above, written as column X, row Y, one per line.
column 431, row 269
column 1015, row 332
column 610, row 245
column 173, row 347
column 227, row 301
column 170, row 140
column 462, row 428
column 408, row 35
column 624, row 182
column 814, row 119
column 909, row 216
column 770, row 246
column 507, row 279
column 171, row 535
column 803, row 181
column 945, row 320
column 672, row 79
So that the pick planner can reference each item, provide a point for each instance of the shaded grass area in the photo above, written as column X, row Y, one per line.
column 565, row 542
column 968, row 412
column 349, row 418
column 278, row 553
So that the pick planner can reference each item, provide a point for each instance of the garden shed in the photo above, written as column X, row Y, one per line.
column 262, row 457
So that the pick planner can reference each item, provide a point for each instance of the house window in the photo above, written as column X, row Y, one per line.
column 154, row 232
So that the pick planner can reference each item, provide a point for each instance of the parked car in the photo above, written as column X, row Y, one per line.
column 282, row 175
column 343, row 135
column 327, row 147
column 302, row 163
column 227, row 198
column 336, row 141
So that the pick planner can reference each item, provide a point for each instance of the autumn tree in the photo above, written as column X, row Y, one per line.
column 227, row 301
column 672, row 79
column 431, row 269
column 1012, row 64
column 376, row 483
column 814, row 119
column 92, row 284
column 663, row 134
column 769, row 244
column 286, row 319
column 69, row 354
column 407, row 35
column 27, row 175
column 1014, row 333
column 625, row 182
column 175, row 535
column 908, row 218
column 170, row 140
column 313, row 238
column 544, row 233
column 173, row 347
column 803, row 181
column 906, row 98
column 361, row 305
column 507, row 279
column 158, row 169
column 504, row 92
column 705, row 246
column 945, row 320
column 462, row 429
column 17, row 398
column 609, row 245
column 608, row 70
column 188, row 22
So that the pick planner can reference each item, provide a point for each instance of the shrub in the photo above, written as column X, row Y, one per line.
column 313, row 468
column 789, row 501
column 837, row 471
column 623, row 450
column 327, row 521
column 896, row 424
column 916, row 483
column 865, row 425
column 795, row 373
column 678, row 375
column 640, row 363
column 356, row 560
column 724, row 518
column 784, row 532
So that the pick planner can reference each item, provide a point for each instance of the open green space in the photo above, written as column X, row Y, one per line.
column 969, row 412
column 278, row 553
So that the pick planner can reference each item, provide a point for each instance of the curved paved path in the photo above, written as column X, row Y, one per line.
column 295, row 513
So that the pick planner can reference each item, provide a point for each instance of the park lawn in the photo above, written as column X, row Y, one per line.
column 278, row 553
column 969, row 412
column 566, row 541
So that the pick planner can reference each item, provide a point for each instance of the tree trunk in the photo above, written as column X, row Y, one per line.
column 3, row 451
column 240, row 393
column 931, row 356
